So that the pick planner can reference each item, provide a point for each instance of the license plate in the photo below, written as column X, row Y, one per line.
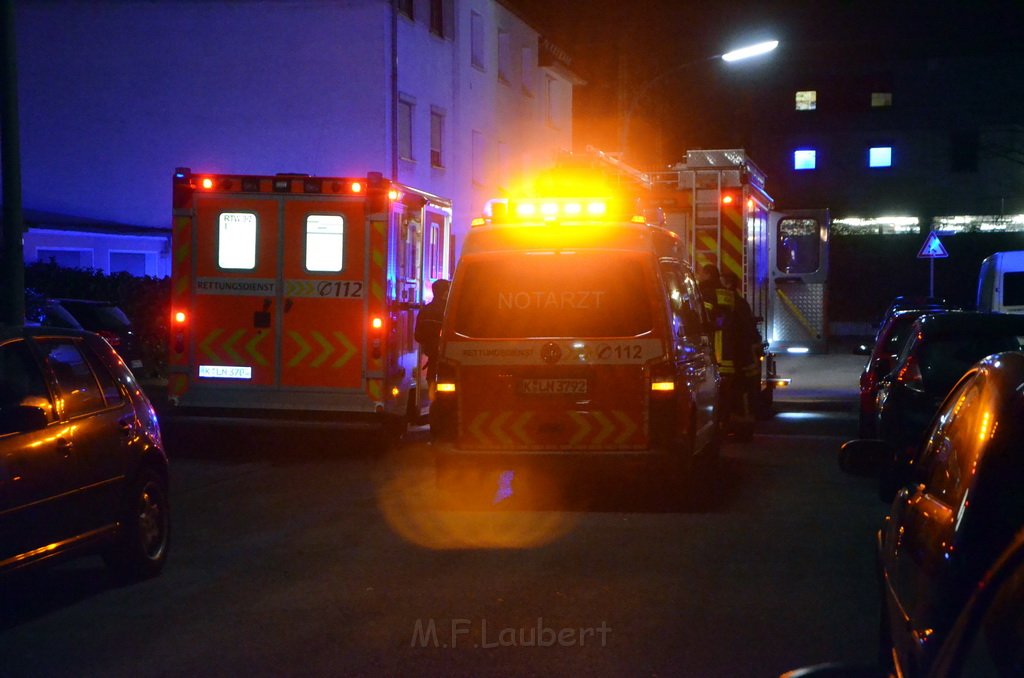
column 553, row 386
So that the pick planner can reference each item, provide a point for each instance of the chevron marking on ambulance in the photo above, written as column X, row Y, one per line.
column 229, row 347
column 475, row 427
column 629, row 426
column 497, row 429
column 252, row 348
column 607, row 427
column 518, row 427
column 583, row 427
column 327, row 346
column 304, row 348
column 350, row 349
column 205, row 345
column 300, row 288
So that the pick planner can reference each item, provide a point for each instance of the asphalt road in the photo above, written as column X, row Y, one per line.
column 309, row 550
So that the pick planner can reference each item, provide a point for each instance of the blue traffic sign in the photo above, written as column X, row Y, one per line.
column 932, row 248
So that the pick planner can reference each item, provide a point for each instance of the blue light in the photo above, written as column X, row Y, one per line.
column 880, row 156
column 504, row 486
column 805, row 159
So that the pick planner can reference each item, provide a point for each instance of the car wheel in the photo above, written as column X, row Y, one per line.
column 141, row 549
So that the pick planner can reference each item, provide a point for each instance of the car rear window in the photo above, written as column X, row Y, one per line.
column 1013, row 288
column 944, row 359
column 98, row 316
column 556, row 294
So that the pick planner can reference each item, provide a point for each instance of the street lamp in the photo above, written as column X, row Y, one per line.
column 730, row 56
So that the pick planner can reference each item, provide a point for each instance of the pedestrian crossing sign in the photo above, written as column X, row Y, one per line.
column 932, row 248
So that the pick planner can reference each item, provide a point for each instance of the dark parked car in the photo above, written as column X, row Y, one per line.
column 891, row 337
column 82, row 464
column 940, row 348
column 102, row 317
column 912, row 302
column 986, row 639
column 959, row 510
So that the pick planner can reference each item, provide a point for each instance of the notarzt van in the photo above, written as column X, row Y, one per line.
column 1001, row 283
column 573, row 329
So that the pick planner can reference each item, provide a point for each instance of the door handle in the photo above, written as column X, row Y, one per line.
column 64, row 445
column 126, row 424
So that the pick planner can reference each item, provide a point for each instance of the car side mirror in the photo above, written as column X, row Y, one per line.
column 22, row 419
column 864, row 457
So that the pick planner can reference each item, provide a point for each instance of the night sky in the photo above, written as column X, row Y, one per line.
column 641, row 39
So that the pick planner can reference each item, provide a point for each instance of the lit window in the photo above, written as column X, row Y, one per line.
column 807, row 100
column 805, row 159
column 436, row 138
column 881, row 99
column 528, row 66
column 476, row 40
column 325, row 242
column 504, row 57
column 405, row 129
column 880, row 156
column 236, row 240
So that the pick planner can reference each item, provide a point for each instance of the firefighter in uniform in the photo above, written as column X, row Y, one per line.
column 734, row 331
column 428, row 325
column 750, row 377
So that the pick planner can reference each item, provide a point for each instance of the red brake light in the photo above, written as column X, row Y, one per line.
column 357, row 187
column 910, row 373
column 179, row 318
column 207, row 183
column 377, row 323
column 727, row 199
column 111, row 338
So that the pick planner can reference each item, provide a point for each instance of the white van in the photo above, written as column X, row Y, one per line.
column 1001, row 283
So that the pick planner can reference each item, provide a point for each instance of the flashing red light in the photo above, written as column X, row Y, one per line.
column 727, row 199
column 207, row 183
column 179, row 317
column 357, row 187
column 377, row 323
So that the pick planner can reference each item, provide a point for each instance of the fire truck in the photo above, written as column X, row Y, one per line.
column 717, row 202
column 294, row 294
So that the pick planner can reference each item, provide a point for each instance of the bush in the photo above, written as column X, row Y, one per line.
column 145, row 300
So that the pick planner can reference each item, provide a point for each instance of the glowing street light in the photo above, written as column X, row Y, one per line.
column 734, row 55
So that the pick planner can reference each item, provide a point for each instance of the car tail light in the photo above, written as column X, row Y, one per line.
column 910, row 373
column 663, row 382
column 111, row 338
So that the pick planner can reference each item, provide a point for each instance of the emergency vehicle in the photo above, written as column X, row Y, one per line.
column 293, row 293
column 717, row 202
column 573, row 328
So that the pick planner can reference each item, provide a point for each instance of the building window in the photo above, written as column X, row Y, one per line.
column 132, row 263
column 550, row 101
column 436, row 138
column 439, row 20
column 236, row 240
column 405, row 110
column 805, row 159
column 881, row 99
column 64, row 258
column 504, row 57
column 529, row 65
column 405, row 8
column 478, row 157
column 963, row 151
column 476, row 40
column 325, row 242
column 807, row 100
column 880, row 156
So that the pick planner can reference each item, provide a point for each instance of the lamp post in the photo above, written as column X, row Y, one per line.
column 729, row 57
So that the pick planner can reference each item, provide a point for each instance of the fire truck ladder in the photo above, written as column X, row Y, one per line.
column 706, row 216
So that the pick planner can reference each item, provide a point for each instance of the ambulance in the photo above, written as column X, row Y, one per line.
column 575, row 329
column 296, row 295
